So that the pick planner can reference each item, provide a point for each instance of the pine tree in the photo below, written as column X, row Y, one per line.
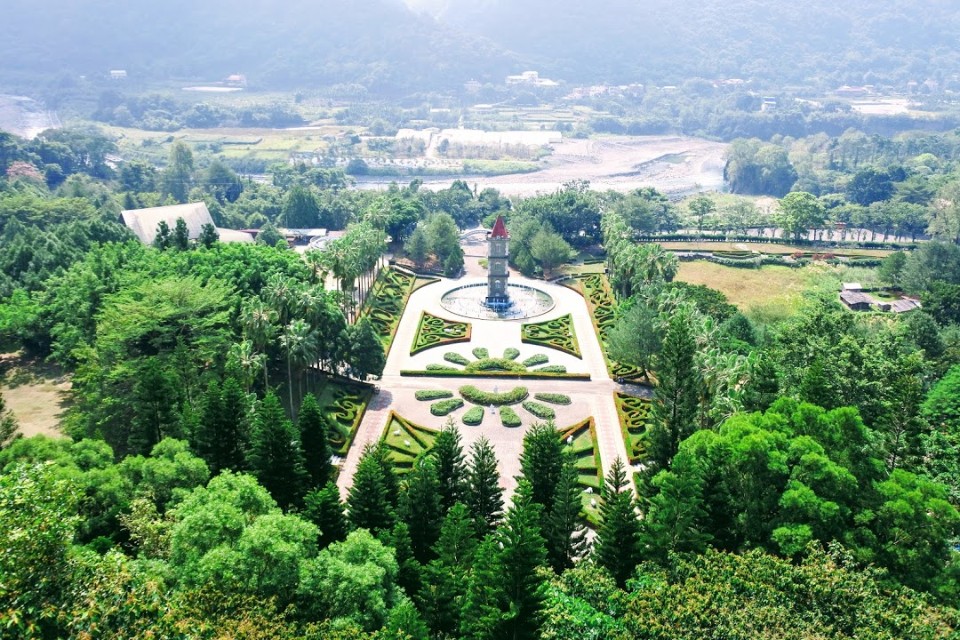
column 674, row 520
column 236, row 424
column 155, row 403
column 181, row 236
column 564, row 531
column 208, row 431
column 208, row 235
column 369, row 504
column 484, row 497
column 420, row 507
column 446, row 577
column 9, row 429
column 323, row 508
column 275, row 455
column 482, row 611
column 541, row 463
column 314, row 427
column 447, row 451
column 409, row 570
column 617, row 545
column 162, row 239
column 675, row 398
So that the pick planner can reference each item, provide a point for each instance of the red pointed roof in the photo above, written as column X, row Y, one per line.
column 499, row 229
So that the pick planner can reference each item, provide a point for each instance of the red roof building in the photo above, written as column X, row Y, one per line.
column 499, row 229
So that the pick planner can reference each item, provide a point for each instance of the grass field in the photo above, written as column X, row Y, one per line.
column 773, row 249
column 35, row 393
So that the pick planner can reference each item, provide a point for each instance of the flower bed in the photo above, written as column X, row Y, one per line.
column 556, row 334
column 541, row 411
column 433, row 394
column 433, row 331
column 509, row 418
column 444, row 407
column 634, row 415
column 473, row 416
column 486, row 398
column 406, row 441
column 552, row 398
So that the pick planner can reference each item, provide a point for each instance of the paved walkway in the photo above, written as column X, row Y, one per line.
column 589, row 398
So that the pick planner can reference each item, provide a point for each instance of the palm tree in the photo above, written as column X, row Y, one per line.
column 259, row 324
column 300, row 343
column 280, row 294
column 245, row 357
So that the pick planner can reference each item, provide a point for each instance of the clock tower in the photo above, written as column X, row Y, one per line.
column 497, row 272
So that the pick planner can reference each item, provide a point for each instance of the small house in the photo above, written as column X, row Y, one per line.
column 856, row 300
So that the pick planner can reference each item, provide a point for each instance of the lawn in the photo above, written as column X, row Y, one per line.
column 753, row 290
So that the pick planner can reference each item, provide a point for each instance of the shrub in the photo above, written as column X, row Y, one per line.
column 480, row 353
column 556, row 334
column 473, row 416
column 433, row 394
column 440, row 367
column 552, row 398
column 443, row 407
column 511, row 353
column 542, row 411
column 487, row 398
column 552, row 368
column 433, row 331
column 495, row 364
column 455, row 358
column 534, row 360
column 509, row 417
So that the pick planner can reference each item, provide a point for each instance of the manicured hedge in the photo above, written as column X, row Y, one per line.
column 510, row 353
column 487, row 398
column 473, row 416
column 480, row 353
column 406, row 441
column 456, row 358
column 433, row 394
column 440, row 367
column 602, row 305
column 535, row 359
column 495, row 364
column 509, row 417
column 552, row 368
column 542, row 411
column 634, row 415
column 438, row 371
column 384, row 305
column 556, row 334
column 443, row 407
column 433, row 331
column 553, row 398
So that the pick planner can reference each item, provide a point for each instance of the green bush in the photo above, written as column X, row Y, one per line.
column 487, row 398
column 443, row 407
column 553, row 398
column 556, row 334
column 440, row 367
column 456, row 358
column 433, row 331
column 433, row 394
column 509, row 417
column 480, row 353
column 473, row 416
column 511, row 353
column 542, row 411
column 552, row 368
column 536, row 359
column 495, row 364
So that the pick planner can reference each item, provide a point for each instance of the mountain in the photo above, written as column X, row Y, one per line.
column 380, row 44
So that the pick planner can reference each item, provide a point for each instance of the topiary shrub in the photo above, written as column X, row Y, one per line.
column 433, row 394
column 553, row 398
column 480, row 353
column 534, row 360
column 495, row 364
column 509, row 417
column 456, row 358
column 444, row 407
column 552, row 368
column 440, row 367
column 473, row 416
column 510, row 353
column 542, row 411
column 486, row 398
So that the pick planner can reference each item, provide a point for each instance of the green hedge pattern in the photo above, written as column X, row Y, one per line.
column 473, row 416
column 486, row 398
column 444, row 407
column 385, row 304
column 433, row 331
column 494, row 364
column 552, row 398
column 509, row 418
column 511, row 353
column 406, row 441
column 480, row 353
column 602, row 305
column 541, row 411
column 634, row 415
column 456, row 358
column 535, row 359
column 556, row 334
column 552, row 368
column 345, row 405
column 433, row 394
column 582, row 437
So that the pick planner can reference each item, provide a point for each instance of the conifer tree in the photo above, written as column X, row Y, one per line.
column 675, row 398
column 368, row 504
column 275, row 455
column 9, row 429
column 564, row 531
column 314, row 429
column 323, row 508
column 420, row 507
column 181, row 236
column 220, row 434
column 409, row 570
column 236, row 423
column 617, row 545
column 482, row 612
column 447, row 451
column 446, row 577
column 484, row 498
column 542, row 462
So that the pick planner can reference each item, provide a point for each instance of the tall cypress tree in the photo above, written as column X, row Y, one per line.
column 446, row 577
column 420, row 507
column 221, row 435
column 542, row 463
column 675, row 398
column 482, row 611
column 451, row 469
column 275, row 455
column 563, row 530
column 409, row 571
column 323, row 508
column 368, row 504
column 314, row 429
column 484, row 497
column 236, row 424
column 523, row 551
column 617, row 545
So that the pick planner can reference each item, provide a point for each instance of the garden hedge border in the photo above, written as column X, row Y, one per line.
column 423, row 339
column 509, row 375
column 566, row 343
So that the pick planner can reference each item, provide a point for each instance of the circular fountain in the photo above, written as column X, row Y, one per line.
column 470, row 301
